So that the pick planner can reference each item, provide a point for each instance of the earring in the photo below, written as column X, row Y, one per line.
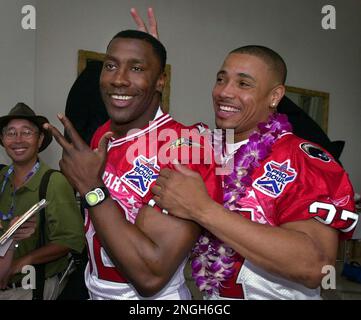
column 273, row 105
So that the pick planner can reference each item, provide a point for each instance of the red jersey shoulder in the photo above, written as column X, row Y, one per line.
column 306, row 182
column 99, row 133
column 293, row 146
column 295, row 163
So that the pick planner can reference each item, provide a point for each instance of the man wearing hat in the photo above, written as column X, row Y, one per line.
column 22, row 136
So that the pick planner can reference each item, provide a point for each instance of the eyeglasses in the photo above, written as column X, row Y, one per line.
column 25, row 134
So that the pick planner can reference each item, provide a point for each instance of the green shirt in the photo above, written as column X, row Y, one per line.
column 63, row 220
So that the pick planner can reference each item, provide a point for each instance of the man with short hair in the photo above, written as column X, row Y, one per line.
column 135, row 251
column 23, row 137
column 286, row 202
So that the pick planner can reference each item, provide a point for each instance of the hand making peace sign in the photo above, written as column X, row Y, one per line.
column 82, row 166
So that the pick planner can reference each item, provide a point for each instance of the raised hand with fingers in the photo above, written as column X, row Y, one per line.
column 153, row 27
column 79, row 163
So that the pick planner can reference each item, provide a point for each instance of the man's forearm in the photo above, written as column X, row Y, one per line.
column 148, row 252
column 288, row 253
column 131, row 251
column 48, row 253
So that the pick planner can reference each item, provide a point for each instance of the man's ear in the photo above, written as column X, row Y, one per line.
column 161, row 82
column 277, row 94
column 41, row 139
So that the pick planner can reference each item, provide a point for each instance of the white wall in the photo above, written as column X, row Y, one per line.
column 17, row 59
column 198, row 34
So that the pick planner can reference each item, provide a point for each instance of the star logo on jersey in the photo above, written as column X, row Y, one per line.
column 275, row 178
column 142, row 175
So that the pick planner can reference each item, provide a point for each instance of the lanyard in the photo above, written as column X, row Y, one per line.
column 35, row 169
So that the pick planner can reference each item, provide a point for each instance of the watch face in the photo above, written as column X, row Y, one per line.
column 96, row 196
column 92, row 198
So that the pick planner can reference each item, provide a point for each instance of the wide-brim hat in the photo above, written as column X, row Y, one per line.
column 22, row 111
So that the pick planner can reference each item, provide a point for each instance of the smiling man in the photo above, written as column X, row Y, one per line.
column 23, row 137
column 286, row 203
column 131, row 82
column 135, row 250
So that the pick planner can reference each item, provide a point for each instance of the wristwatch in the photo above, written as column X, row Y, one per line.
column 95, row 197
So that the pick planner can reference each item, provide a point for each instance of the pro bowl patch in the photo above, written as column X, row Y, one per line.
column 144, row 172
column 314, row 152
column 275, row 178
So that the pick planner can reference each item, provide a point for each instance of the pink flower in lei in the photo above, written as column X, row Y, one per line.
column 212, row 261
